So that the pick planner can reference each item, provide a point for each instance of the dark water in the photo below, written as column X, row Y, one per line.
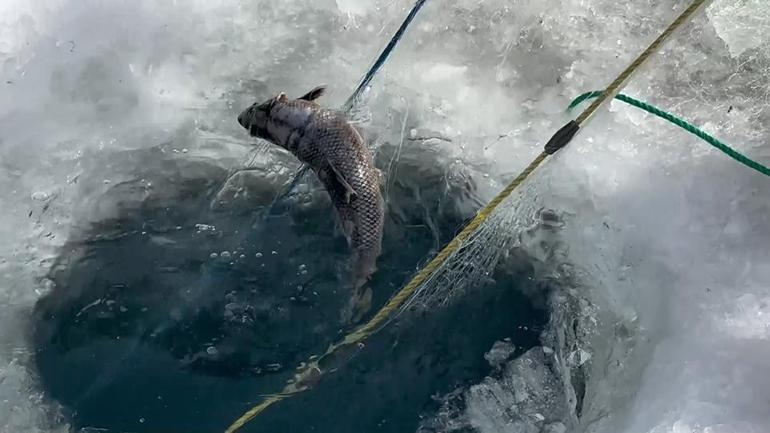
column 145, row 331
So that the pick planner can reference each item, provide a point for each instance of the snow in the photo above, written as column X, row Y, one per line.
column 666, row 239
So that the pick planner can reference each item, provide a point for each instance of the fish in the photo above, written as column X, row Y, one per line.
column 323, row 139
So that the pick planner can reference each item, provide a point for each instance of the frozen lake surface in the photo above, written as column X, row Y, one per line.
column 142, row 288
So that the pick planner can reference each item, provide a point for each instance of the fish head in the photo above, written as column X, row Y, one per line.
column 255, row 118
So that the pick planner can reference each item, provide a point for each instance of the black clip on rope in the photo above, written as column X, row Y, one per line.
column 562, row 137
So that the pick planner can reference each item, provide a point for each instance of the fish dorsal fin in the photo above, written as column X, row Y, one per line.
column 314, row 94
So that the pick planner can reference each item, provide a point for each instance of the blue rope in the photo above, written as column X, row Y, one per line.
column 383, row 56
column 304, row 169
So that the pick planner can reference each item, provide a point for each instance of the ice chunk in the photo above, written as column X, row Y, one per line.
column 500, row 352
column 526, row 398
column 743, row 25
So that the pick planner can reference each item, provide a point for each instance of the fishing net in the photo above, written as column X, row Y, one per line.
column 473, row 265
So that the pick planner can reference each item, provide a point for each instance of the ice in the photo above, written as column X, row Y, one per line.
column 742, row 25
column 526, row 396
column 526, row 399
column 662, row 247
column 500, row 353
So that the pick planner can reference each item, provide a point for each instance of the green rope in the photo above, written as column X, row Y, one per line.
column 732, row 153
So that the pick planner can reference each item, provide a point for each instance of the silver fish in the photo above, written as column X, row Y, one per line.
column 336, row 152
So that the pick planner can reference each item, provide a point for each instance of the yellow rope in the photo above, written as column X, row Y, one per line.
column 617, row 85
column 312, row 372
column 314, row 369
column 364, row 331
column 256, row 410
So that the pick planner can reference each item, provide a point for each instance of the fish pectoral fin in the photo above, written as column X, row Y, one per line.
column 350, row 193
column 348, row 227
column 314, row 94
